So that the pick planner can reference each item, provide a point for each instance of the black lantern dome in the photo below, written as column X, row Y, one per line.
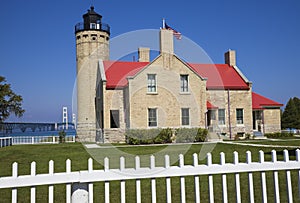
column 92, row 21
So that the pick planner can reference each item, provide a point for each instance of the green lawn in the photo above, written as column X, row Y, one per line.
column 25, row 154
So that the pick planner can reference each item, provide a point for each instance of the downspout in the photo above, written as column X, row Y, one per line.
column 229, row 119
column 263, row 121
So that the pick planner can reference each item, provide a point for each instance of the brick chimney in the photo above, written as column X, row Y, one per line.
column 144, row 54
column 230, row 57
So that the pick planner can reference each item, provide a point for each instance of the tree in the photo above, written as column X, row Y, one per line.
column 10, row 102
column 291, row 114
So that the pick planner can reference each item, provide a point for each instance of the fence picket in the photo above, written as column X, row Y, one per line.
column 224, row 179
column 68, row 186
column 210, row 180
column 237, row 178
column 123, row 191
column 90, row 185
column 182, row 179
column 250, row 178
column 153, row 181
column 288, row 177
column 51, row 188
column 263, row 178
column 168, row 180
column 138, row 181
column 32, row 189
column 196, row 179
column 275, row 176
column 14, row 192
column 106, row 183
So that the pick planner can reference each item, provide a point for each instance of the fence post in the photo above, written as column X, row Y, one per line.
column 80, row 191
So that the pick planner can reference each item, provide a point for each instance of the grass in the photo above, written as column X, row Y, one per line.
column 25, row 154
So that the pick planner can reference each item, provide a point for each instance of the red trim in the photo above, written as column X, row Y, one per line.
column 210, row 106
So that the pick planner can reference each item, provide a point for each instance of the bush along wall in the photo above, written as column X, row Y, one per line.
column 188, row 135
column 148, row 136
column 278, row 135
column 162, row 136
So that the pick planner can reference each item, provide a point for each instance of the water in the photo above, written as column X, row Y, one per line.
column 18, row 132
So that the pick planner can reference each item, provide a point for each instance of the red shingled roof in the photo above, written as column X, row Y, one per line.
column 259, row 102
column 116, row 72
column 220, row 76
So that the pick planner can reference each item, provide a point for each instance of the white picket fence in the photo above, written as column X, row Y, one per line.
column 84, row 180
column 5, row 141
column 17, row 140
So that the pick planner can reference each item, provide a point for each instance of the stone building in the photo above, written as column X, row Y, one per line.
column 164, row 92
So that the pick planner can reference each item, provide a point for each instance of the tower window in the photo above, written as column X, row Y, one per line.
column 93, row 26
column 114, row 119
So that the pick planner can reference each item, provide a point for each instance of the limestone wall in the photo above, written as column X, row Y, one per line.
column 272, row 122
column 168, row 100
column 241, row 99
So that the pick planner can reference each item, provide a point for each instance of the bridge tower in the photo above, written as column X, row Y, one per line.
column 92, row 44
column 65, row 117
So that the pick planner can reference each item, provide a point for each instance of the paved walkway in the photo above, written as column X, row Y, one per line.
column 94, row 146
column 260, row 145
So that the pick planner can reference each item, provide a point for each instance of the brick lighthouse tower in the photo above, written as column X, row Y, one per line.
column 92, row 44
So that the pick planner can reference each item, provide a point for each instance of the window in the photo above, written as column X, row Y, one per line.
column 151, row 83
column 239, row 116
column 184, row 83
column 93, row 26
column 185, row 116
column 152, row 118
column 114, row 119
column 221, row 116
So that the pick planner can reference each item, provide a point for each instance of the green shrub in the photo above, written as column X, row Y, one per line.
column 279, row 135
column 62, row 136
column 186, row 135
column 148, row 136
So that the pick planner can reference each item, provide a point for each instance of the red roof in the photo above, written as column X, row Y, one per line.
column 117, row 72
column 220, row 76
column 210, row 106
column 259, row 102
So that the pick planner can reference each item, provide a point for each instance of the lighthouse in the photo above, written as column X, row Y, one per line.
column 92, row 45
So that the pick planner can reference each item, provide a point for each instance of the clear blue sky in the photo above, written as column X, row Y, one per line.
column 37, row 42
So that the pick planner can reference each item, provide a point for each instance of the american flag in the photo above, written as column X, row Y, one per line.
column 175, row 32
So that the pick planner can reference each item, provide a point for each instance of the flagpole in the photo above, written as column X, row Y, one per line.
column 163, row 24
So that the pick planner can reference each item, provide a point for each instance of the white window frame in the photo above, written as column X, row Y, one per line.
column 151, row 83
column 184, row 83
column 150, row 118
column 187, row 118
column 239, row 121
column 223, row 118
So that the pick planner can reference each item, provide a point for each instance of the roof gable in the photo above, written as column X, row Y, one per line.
column 220, row 76
column 117, row 72
column 260, row 102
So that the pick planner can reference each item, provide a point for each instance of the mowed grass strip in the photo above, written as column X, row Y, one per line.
column 78, row 154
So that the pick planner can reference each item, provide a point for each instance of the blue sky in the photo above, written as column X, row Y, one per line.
column 37, row 42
